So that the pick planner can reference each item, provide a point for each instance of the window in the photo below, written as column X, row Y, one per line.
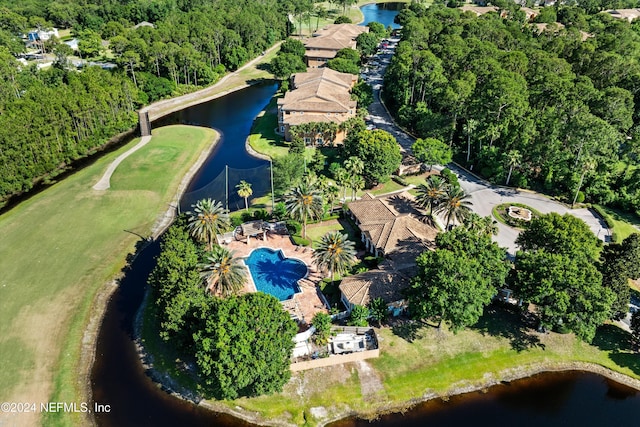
column 301, row 112
column 319, row 141
column 307, row 140
column 282, row 129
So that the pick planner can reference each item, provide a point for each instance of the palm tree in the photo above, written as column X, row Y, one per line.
column 430, row 193
column 342, row 178
column 354, row 165
column 331, row 194
column 244, row 191
column 513, row 160
column 223, row 274
column 483, row 225
column 304, row 202
column 335, row 253
column 207, row 220
column 356, row 182
column 454, row 205
column 468, row 129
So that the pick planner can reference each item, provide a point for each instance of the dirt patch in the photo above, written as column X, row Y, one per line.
column 370, row 384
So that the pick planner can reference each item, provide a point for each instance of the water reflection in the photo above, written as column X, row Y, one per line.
column 552, row 399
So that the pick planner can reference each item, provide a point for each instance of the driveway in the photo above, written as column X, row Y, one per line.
column 484, row 196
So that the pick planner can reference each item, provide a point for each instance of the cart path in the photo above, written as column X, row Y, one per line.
column 105, row 182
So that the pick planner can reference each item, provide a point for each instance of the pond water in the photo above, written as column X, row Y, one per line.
column 550, row 400
column 119, row 380
column 383, row 13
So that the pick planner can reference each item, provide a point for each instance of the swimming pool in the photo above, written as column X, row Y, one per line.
column 274, row 274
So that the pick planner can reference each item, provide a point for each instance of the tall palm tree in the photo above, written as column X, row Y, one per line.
column 588, row 165
column 354, row 165
column 207, row 220
column 335, row 253
column 331, row 194
column 304, row 202
column 513, row 160
column 468, row 129
column 455, row 205
column 342, row 178
column 430, row 193
column 356, row 182
column 244, row 191
column 223, row 274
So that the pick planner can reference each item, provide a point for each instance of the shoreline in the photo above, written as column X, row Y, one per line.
column 106, row 291
column 168, row 385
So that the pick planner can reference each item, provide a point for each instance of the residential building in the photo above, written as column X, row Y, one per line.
column 320, row 95
column 390, row 228
column 325, row 44
column 628, row 14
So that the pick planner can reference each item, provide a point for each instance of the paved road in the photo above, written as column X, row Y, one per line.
column 484, row 196
column 378, row 115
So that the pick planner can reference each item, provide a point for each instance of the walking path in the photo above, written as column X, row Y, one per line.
column 484, row 195
column 105, row 182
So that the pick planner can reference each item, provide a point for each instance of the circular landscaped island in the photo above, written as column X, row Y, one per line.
column 515, row 215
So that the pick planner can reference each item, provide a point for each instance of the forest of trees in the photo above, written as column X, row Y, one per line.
column 553, row 110
column 49, row 117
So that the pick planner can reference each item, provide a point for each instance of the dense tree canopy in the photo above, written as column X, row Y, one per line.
column 244, row 346
column 457, row 280
column 378, row 150
column 564, row 235
column 621, row 262
column 566, row 101
column 567, row 291
column 50, row 117
column 556, row 270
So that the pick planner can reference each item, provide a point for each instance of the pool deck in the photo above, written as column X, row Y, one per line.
column 308, row 302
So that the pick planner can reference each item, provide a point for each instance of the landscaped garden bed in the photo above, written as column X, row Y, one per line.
column 515, row 215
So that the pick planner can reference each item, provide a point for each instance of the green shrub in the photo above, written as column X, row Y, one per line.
column 580, row 197
column 293, row 226
column 450, row 177
column 400, row 180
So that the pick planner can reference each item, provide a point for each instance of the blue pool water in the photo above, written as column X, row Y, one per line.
column 275, row 274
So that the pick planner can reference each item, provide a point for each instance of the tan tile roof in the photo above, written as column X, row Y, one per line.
column 334, row 43
column 478, row 10
column 298, row 119
column 361, row 288
column 327, row 74
column 321, row 96
column 345, row 30
column 391, row 223
column 332, row 38
column 320, row 54
column 628, row 14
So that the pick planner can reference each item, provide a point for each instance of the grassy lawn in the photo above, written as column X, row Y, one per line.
column 316, row 231
column 263, row 137
column 388, row 187
column 624, row 223
column 63, row 245
column 417, row 359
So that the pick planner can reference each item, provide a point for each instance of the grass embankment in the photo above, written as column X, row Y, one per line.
column 622, row 224
column 421, row 361
column 61, row 246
